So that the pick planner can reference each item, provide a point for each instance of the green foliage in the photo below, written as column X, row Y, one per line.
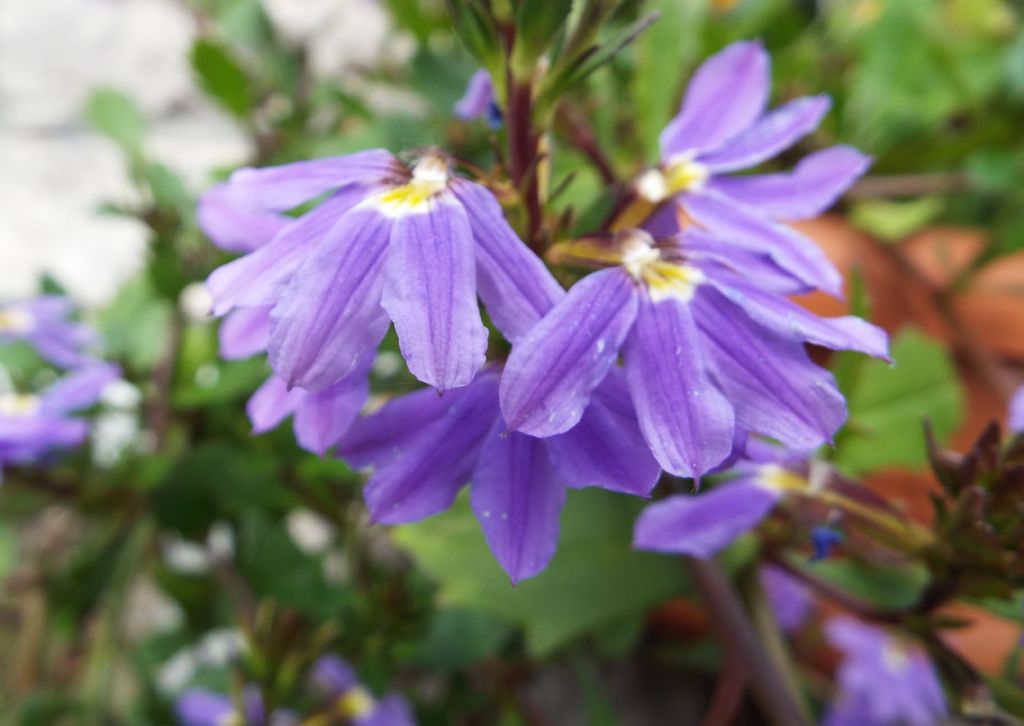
column 593, row 580
column 116, row 116
column 221, row 76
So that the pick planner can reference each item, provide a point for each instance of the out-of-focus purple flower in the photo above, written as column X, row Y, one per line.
column 790, row 600
column 201, row 707
column 44, row 322
column 1017, row 412
column 823, row 540
column 424, row 448
column 706, row 351
column 722, row 127
column 479, row 100
column 234, row 223
column 33, row 425
column 351, row 702
column 882, row 681
column 414, row 246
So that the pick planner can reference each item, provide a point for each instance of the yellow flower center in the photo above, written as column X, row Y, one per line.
column 680, row 174
column 664, row 279
column 18, row 404
column 429, row 178
column 354, row 703
column 780, row 479
column 13, row 320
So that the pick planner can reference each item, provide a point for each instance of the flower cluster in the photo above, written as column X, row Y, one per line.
column 35, row 424
column 678, row 347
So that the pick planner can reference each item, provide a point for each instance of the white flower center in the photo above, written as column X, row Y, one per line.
column 18, row 404
column 429, row 178
column 13, row 320
column 664, row 279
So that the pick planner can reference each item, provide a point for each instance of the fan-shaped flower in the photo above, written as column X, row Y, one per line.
column 413, row 245
column 722, row 127
column 33, row 425
column 351, row 702
column 45, row 323
column 706, row 352
column 882, row 681
column 201, row 707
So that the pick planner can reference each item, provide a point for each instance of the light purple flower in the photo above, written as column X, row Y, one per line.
column 479, row 101
column 414, row 246
column 45, row 323
column 722, row 127
column 423, row 449
column 882, row 681
column 352, row 703
column 201, row 707
column 33, row 425
column 790, row 600
column 707, row 353
column 1017, row 412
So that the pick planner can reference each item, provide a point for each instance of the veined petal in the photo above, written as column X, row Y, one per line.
column 702, row 248
column 700, row 525
column 422, row 475
column 790, row 321
column 807, row 191
column 553, row 369
column 774, row 132
column 233, row 224
column 514, row 284
column 518, row 498
column 280, row 188
column 606, row 448
column 79, row 389
column 271, row 404
column 322, row 418
column 430, row 294
column 726, row 95
column 244, row 332
column 741, row 226
column 686, row 421
column 258, row 278
column 330, row 316
column 774, row 386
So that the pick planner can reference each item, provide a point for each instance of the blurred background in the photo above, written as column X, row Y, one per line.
column 158, row 560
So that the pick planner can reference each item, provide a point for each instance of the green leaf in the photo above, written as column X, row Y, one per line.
column 457, row 638
column 135, row 325
column 888, row 404
column 116, row 116
column 221, row 77
column 893, row 221
column 537, row 24
column 894, row 587
column 593, row 581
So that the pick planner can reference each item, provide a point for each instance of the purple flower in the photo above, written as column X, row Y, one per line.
column 33, row 425
column 882, row 681
column 44, row 323
column 479, row 101
column 352, row 703
column 200, row 707
column 414, row 246
column 707, row 353
column 789, row 599
column 424, row 448
column 1017, row 412
column 722, row 127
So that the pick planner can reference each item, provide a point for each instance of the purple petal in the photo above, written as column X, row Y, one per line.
column 790, row 600
column 422, row 474
column 322, row 418
column 25, row 439
column 430, row 294
column 811, row 188
column 775, row 388
column 743, row 227
column 726, row 95
column 606, row 448
column 1017, row 411
column 244, row 332
column 232, row 224
column 514, row 284
column 700, row 525
column 79, row 389
column 792, row 322
column 333, row 676
column 699, row 246
column 774, row 132
column 271, row 404
column 199, row 707
column 259, row 278
column 518, row 498
column 329, row 315
column 553, row 369
column 280, row 188
column 664, row 221
column 686, row 421
column 478, row 98
column 392, row 710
